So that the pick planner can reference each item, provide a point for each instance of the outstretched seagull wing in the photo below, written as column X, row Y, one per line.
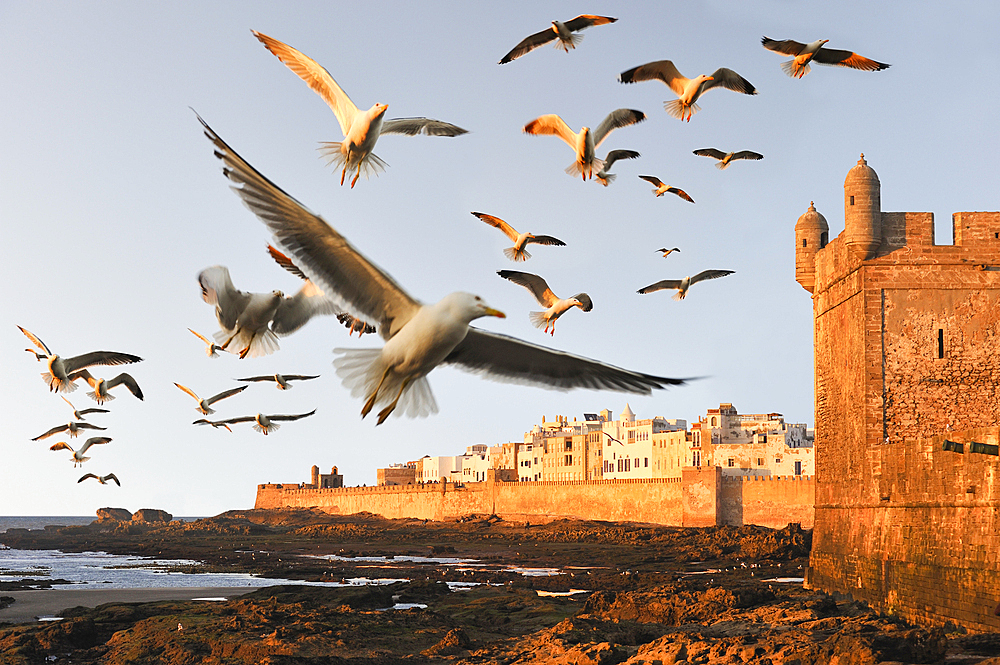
column 295, row 417
column 498, row 223
column 316, row 77
column 414, row 126
column 534, row 283
column 614, row 120
column 511, row 360
column 661, row 285
column 710, row 274
column 324, row 255
column 529, row 43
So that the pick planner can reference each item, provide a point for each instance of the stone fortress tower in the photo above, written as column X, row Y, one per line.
column 907, row 357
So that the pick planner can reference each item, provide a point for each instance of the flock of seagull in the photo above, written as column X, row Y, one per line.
column 339, row 281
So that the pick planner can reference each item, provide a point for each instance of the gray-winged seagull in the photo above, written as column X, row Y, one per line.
column 687, row 90
column 561, row 33
column 803, row 54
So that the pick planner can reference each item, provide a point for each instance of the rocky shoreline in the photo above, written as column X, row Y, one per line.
column 624, row 593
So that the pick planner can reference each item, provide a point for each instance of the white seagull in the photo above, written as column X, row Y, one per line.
column 682, row 285
column 418, row 337
column 668, row 252
column 262, row 423
column 585, row 142
column 245, row 317
column 214, row 424
column 72, row 428
column 78, row 455
column 58, row 377
column 726, row 158
column 561, row 33
column 101, row 387
column 80, row 413
column 101, row 479
column 555, row 305
column 687, row 90
column 280, row 380
column 518, row 252
column 803, row 54
column 606, row 178
column 205, row 405
column 361, row 128
column 211, row 348
column 662, row 188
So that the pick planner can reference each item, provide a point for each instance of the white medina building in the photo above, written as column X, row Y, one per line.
column 475, row 463
column 760, row 444
column 433, row 469
column 649, row 448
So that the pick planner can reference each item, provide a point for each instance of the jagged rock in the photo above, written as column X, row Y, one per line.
column 151, row 515
column 451, row 644
column 117, row 514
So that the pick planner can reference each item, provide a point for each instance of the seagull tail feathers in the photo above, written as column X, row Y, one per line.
column 574, row 40
column 417, row 400
column 98, row 398
column 58, row 385
column 537, row 319
column 794, row 71
column 606, row 179
column 680, row 295
column 722, row 166
column 261, row 344
column 586, row 170
column 371, row 164
column 360, row 371
column 266, row 430
column 515, row 254
column 677, row 109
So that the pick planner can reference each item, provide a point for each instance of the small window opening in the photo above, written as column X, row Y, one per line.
column 852, row 200
column 940, row 342
column 823, row 239
column 805, row 243
column 996, row 235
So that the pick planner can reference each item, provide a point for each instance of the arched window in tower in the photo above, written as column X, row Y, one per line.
column 805, row 243
column 823, row 239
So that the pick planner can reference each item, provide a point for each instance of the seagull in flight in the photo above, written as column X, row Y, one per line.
column 72, row 428
column 682, row 285
column 280, row 380
column 58, row 377
column 662, row 188
column 211, row 348
column 668, row 252
column 205, row 405
column 101, row 387
column 214, row 423
column 804, row 54
column 361, row 128
column 262, row 423
column 603, row 176
column 518, row 252
column 418, row 337
column 101, row 479
column 584, row 142
column 688, row 91
column 726, row 158
column 78, row 455
column 555, row 305
column 79, row 414
column 255, row 320
column 561, row 33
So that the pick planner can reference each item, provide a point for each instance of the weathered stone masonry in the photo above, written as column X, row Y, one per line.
column 906, row 356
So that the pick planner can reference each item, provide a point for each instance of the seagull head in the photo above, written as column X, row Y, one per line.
column 583, row 301
column 468, row 307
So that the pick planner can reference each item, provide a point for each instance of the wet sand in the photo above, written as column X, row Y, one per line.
column 49, row 602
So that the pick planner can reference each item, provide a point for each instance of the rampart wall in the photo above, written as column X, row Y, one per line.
column 926, row 546
column 699, row 498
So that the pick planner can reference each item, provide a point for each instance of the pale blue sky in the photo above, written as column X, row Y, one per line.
column 112, row 202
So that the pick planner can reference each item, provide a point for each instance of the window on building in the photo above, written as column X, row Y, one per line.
column 627, row 464
column 805, row 243
column 760, row 461
column 940, row 342
column 696, row 458
column 730, row 462
column 645, row 462
column 568, row 460
column 777, row 460
column 823, row 239
column 798, row 468
column 852, row 200
column 569, row 445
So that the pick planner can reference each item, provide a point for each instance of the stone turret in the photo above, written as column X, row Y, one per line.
column 862, row 209
column 811, row 234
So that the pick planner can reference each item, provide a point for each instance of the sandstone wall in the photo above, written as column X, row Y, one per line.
column 771, row 501
column 695, row 500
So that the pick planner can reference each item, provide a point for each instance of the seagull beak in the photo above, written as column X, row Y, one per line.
column 489, row 311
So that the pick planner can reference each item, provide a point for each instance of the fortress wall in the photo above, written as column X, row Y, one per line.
column 695, row 500
column 928, row 547
column 771, row 501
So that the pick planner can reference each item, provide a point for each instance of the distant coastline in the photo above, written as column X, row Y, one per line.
column 35, row 522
